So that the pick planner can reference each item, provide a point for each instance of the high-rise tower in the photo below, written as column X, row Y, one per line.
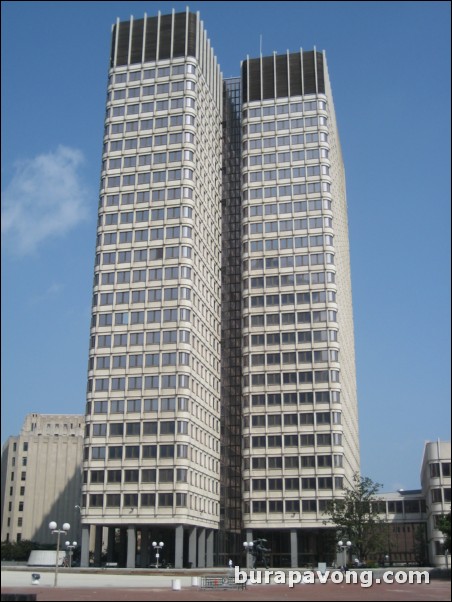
column 300, row 431
column 153, row 413
column 221, row 389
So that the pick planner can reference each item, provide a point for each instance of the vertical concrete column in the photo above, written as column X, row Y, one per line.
column 111, row 544
column 131, row 547
column 144, row 551
column 98, row 545
column 192, row 547
column 179, row 547
column 249, row 558
column 123, row 547
column 202, row 548
column 209, row 548
column 84, row 558
column 293, row 548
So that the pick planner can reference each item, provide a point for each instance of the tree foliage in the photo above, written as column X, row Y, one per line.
column 443, row 525
column 357, row 518
column 18, row 550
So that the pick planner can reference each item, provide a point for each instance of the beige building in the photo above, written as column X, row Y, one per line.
column 222, row 251
column 152, row 445
column 300, row 423
column 411, row 516
column 436, row 488
column 41, row 477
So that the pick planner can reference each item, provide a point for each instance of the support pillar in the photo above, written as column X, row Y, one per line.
column 122, row 547
column 209, row 548
column 98, row 545
column 131, row 547
column 144, row 551
column 179, row 547
column 293, row 548
column 202, row 548
column 192, row 547
column 84, row 558
column 111, row 540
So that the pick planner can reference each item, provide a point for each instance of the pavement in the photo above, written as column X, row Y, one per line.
column 125, row 585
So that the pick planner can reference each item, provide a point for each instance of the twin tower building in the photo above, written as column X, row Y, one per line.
column 221, row 402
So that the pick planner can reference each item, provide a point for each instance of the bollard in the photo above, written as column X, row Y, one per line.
column 195, row 581
column 35, row 577
column 176, row 584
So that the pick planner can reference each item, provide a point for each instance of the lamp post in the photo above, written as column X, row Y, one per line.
column 70, row 546
column 344, row 547
column 446, row 552
column 248, row 545
column 157, row 547
column 54, row 528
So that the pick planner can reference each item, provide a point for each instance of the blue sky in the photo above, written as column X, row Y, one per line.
column 390, row 69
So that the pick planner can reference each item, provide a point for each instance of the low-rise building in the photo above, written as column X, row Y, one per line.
column 435, row 482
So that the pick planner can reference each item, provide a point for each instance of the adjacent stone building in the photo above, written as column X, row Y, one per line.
column 42, row 477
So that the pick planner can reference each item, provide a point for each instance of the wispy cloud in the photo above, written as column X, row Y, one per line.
column 45, row 198
column 51, row 292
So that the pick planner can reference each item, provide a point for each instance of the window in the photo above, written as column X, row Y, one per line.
column 436, row 496
column 116, row 429
column 259, row 506
column 115, row 453
column 132, row 451
column 434, row 469
column 148, row 475
column 166, row 475
column 275, row 506
column 166, row 451
column 165, row 499
column 147, row 499
column 96, row 500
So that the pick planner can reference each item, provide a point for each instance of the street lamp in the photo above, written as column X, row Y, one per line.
column 344, row 547
column 70, row 546
column 54, row 528
column 157, row 547
column 249, row 545
column 446, row 552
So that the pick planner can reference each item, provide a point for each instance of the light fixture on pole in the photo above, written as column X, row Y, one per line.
column 54, row 528
column 70, row 547
column 344, row 547
column 249, row 545
column 157, row 547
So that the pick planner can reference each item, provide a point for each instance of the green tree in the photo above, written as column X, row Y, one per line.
column 443, row 525
column 357, row 517
column 18, row 550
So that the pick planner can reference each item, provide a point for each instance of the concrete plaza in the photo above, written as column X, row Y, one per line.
column 74, row 584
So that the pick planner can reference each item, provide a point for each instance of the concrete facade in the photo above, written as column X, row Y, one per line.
column 222, row 250
column 436, row 489
column 41, row 477
column 152, row 448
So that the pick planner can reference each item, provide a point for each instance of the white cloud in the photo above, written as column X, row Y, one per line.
column 52, row 291
column 44, row 199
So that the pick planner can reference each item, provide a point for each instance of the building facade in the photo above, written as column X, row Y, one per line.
column 436, row 488
column 221, row 396
column 300, row 427
column 42, row 478
column 152, row 454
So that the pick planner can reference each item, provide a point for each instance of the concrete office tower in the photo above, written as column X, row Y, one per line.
column 152, row 446
column 222, row 217
column 41, row 478
column 300, row 434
